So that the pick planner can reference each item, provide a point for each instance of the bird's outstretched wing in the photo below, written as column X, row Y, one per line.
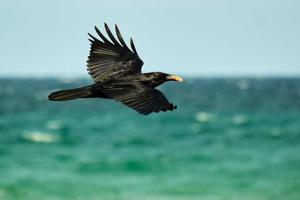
column 139, row 97
column 111, row 58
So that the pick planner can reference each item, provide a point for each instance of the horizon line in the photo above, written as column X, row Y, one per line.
column 188, row 76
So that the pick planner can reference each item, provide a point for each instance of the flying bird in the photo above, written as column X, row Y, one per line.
column 117, row 73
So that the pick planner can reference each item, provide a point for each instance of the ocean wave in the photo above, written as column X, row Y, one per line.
column 42, row 137
column 54, row 125
column 204, row 117
column 240, row 119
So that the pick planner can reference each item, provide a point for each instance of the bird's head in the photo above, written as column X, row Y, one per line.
column 158, row 78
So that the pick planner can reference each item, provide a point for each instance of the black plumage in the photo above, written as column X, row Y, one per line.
column 116, row 70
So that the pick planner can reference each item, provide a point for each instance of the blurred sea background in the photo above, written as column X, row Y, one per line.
column 229, row 139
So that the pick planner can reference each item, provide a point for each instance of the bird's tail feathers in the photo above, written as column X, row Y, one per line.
column 65, row 95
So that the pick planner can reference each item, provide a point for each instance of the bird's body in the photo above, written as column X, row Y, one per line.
column 116, row 71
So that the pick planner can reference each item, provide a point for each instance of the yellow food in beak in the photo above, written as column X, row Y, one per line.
column 174, row 78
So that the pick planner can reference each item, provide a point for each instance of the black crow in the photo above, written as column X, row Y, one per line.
column 116, row 70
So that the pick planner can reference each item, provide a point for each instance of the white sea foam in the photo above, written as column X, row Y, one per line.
column 204, row 116
column 54, row 125
column 239, row 119
column 37, row 136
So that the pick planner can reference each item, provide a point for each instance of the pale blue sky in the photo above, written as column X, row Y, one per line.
column 200, row 37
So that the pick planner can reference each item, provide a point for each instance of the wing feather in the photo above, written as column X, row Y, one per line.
column 111, row 36
column 132, row 46
column 141, row 98
column 95, row 39
column 119, row 35
column 105, row 40
column 111, row 59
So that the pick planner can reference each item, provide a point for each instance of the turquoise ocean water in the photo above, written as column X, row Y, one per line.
column 229, row 139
